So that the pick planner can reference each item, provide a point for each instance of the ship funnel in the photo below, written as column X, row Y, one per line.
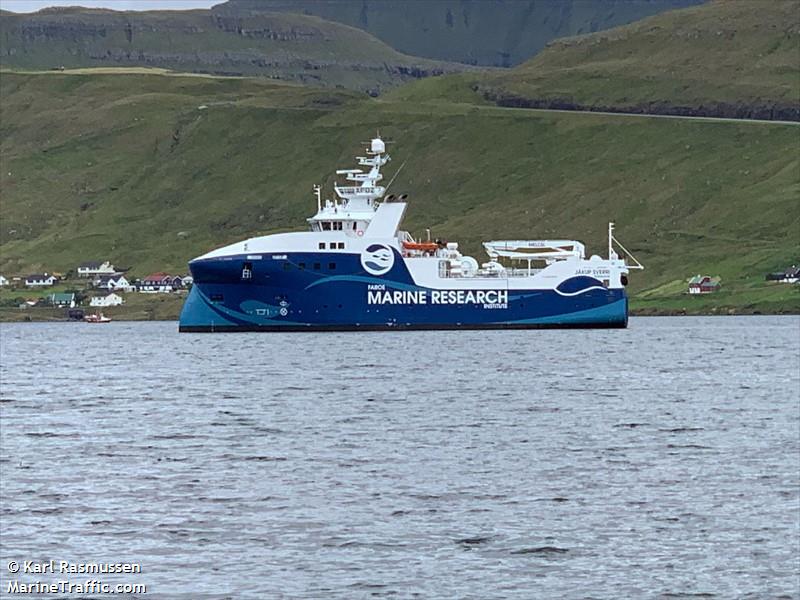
column 377, row 146
column 403, row 197
column 389, row 198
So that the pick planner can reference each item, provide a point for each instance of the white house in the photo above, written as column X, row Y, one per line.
column 95, row 267
column 40, row 280
column 109, row 300
column 158, row 283
column 3, row 281
column 116, row 281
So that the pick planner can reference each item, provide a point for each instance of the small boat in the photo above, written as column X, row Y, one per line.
column 97, row 318
column 430, row 247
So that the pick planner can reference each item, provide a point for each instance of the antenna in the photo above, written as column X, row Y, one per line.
column 611, row 254
column 318, row 193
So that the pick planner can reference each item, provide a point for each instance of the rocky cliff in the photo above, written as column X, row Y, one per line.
column 282, row 46
column 480, row 32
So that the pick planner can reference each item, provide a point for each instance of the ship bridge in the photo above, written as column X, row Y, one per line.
column 356, row 204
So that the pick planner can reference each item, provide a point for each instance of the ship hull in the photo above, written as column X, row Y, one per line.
column 336, row 294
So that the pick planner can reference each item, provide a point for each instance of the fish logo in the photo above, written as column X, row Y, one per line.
column 377, row 259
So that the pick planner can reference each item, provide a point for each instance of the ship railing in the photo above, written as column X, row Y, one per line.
column 522, row 272
column 505, row 274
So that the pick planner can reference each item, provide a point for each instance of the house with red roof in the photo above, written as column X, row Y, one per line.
column 160, row 283
column 704, row 284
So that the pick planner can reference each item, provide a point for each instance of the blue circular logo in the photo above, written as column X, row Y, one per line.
column 377, row 259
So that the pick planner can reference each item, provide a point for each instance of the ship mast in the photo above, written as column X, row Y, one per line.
column 366, row 190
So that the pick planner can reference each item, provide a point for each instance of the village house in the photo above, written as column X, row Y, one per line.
column 160, row 283
column 92, row 268
column 111, row 299
column 62, row 299
column 116, row 281
column 790, row 275
column 40, row 280
column 3, row 281
column 703, row 284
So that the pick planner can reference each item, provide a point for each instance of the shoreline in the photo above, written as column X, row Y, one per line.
column 636, row 313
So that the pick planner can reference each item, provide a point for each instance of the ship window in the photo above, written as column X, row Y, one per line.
column 331, row 266
column 341, row 245
column 287, row 266
column 217, row 298
column 247, row 270
column 326, row 226
column 301, row 266
column 322, row 245
column 354, row 226
column 316, row 266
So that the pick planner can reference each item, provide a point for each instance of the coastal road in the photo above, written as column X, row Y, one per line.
column 648, row 115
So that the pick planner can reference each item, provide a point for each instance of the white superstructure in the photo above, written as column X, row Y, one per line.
column 360, row 216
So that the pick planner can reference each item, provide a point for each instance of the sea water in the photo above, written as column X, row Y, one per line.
column 658, row 461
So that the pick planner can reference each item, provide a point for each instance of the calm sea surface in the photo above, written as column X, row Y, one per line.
column 658, row 461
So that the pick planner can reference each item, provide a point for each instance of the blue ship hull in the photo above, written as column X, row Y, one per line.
column 332, row 292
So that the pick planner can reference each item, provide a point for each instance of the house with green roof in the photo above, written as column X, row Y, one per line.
column 62, row 299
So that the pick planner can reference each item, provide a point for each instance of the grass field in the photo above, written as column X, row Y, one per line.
column 132, row 168
column 732, row 51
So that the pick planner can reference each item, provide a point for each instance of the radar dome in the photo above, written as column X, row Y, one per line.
column 378, row 147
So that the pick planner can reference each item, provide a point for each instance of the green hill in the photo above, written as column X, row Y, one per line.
column 150, row 170
column 291, row 47
column 734, row 58
column 482, row 32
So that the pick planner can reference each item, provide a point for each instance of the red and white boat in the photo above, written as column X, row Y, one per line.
column 97, row 318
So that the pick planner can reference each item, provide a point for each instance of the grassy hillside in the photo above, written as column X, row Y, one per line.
column 284, row 46
column 130, row 167
column 483, row 32
column 727, row 57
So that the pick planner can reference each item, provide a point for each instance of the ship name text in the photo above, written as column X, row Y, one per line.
column 488, row 298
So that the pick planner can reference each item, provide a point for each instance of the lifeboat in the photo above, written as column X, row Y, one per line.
column 421, row 246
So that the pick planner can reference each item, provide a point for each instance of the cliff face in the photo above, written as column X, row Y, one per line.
column 480, row 32
column 291, row 47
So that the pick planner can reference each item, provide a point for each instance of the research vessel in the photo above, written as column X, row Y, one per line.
column 356, row 269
